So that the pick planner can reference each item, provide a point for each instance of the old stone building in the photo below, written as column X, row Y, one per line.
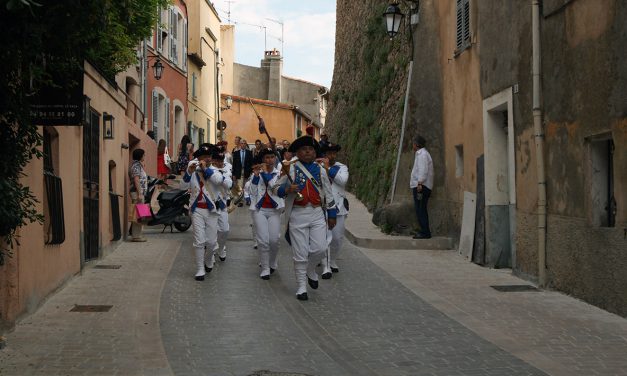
column 495, row 133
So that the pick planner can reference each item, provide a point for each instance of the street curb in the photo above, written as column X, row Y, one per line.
column 360, row 231
column 398, row 242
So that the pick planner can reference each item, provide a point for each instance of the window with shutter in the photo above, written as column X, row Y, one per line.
column 155, row 113
column 462, row 31
column 194, row 85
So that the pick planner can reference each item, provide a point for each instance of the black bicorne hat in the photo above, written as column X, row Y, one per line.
column 331, row 147
column 304, row 141
column 203, row 149
column 265, row 151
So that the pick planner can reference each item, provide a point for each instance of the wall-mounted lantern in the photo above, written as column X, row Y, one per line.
column 107, row 122
column 157, row 69
column 228, row 101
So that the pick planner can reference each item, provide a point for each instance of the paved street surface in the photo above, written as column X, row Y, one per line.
column 388, row 312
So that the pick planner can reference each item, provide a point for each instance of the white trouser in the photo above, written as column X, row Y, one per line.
column 308, row 235
column 253, row 229
column 205, row 231
column 268, row 226
column 337, row 236
column 223, row 232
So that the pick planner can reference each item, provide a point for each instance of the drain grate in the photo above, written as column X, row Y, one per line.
column 91, row 308
column 273, row 373
column 514, row 288
column 107, row 266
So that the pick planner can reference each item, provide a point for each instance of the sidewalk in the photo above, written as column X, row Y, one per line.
column 125, row 340
column 553, row 332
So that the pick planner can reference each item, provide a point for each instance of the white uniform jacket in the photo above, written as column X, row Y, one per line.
column 262, row 184
column 338, row 174
column 319, row 173
column 211, row 180
column 224, row 193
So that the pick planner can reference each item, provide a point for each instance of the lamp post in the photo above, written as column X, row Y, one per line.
column 393, row 17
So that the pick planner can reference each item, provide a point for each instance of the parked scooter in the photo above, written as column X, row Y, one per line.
column 173, row 206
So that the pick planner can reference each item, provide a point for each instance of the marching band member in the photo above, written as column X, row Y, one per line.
column 204, row 181
column 338, row 175
column 267, row 214
column 252, row 210
column 217, row 159
column 308, row 200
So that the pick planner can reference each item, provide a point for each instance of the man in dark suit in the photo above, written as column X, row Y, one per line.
column 242, row 164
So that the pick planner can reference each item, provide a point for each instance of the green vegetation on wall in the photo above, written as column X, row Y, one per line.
column 47, row 38
column 366, row 107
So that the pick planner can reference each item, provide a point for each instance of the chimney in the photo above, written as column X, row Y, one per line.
column 274, row 63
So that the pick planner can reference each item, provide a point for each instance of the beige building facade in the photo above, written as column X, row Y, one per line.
column 81, row 184
column 203, row 70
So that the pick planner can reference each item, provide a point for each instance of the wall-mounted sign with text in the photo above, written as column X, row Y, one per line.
column 61, row 103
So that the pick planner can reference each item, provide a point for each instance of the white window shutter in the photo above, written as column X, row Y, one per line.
column 171, row 35
column 159, row 31
column 185, row 45
column 155, row 113
column 167, row 122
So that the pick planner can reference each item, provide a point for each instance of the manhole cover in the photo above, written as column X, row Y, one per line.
column 107, row 266
column 91, row 308
column 514, row 288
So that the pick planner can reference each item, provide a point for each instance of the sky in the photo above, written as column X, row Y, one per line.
column 308, row 33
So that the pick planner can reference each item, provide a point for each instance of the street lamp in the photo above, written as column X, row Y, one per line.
column 157, row 68
column 393, row 17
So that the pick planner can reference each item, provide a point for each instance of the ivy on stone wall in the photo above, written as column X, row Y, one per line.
column 366, row 107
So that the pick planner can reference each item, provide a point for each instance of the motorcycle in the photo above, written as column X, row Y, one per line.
column 173, row 206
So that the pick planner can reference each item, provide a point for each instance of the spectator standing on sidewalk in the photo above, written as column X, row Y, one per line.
column 421, row 184
column 139, row 185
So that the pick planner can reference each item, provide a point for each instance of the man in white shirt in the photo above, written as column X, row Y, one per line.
column 421, row 184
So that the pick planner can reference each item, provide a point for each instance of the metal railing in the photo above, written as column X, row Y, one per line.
column 134, row 113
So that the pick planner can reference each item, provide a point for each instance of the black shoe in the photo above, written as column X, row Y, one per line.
column 327, row 275
column 335, row 270
column 312, row 283
column 223, row 258
column 208, row 269
column 255, row 247
column 272, row 270
column 200, row 278
column 265, row 277
column 302, row 296
column 421, row 236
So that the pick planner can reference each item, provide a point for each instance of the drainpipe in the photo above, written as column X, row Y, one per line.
column 539, row 140
column 400, row 143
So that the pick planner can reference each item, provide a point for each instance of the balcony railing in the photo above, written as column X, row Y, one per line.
column 134, row 113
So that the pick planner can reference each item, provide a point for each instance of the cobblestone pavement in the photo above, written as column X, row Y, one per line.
column 388, row 312
column 360, row 322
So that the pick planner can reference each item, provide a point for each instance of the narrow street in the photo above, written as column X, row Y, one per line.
column 388, row 312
